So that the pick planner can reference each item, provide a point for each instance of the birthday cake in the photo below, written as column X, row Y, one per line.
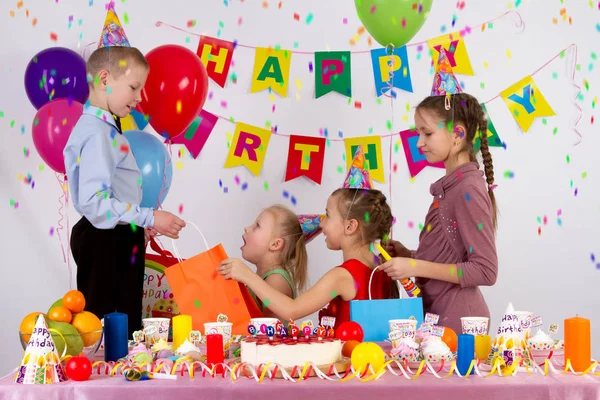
column 289, row 352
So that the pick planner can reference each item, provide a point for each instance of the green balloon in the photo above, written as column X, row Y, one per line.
column 393, row 21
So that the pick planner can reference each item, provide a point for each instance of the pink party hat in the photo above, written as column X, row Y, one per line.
column 311, row 225
column 113, row 34
column 41, row 363
column 444, row 80
column 358, row 176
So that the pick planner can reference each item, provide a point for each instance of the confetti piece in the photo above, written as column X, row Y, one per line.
column 509, row 174
column 266, row 186
column 333, row 294
column 297, row 16
column 53, row 36
column 197, row 303
column 266, row 303
column 358, row 105
column 181, row 209
column 51, row 231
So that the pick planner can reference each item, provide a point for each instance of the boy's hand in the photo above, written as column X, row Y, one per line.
column 168, row 224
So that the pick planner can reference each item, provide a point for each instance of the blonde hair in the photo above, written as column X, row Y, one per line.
column 295, row 258
column 113, row 59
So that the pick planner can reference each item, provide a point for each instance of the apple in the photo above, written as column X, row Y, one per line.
column 71, row 337
column 78, row 368
column 55, row 304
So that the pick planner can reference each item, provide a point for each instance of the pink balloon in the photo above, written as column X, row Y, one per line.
column 52, row 126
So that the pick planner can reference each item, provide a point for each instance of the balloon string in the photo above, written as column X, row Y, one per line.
column 391, row 95
column 518, row 24
column 63, row 212
column 163, row 185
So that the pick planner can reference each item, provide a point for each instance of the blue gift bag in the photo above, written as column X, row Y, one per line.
column 373, row 315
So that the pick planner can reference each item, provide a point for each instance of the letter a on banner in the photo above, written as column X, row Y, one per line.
column 526, row 102
column 305, row 158
column 271, row 70
column 332, row 73
column 372, row 147
column 216, row 56
column 248, row 147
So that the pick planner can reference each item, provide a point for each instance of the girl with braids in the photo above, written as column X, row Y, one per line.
column 347, row 229
column 457, row 250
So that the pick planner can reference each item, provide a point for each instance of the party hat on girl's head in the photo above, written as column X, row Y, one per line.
column 113, row 34
column 444, row 80
column 358, row 176
column 311, row 225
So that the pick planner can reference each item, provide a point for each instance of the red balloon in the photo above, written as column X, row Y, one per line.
column 78, row 368
column 175, row 90
column 350, row 330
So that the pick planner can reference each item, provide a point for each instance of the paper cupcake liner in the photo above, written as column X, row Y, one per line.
column 541, row 346
column 439, row 357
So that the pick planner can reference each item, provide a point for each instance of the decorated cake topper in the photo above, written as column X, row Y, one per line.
column 553, row 328
column 294, row 332
column 222, row 318
column 331, row 333
column 41, row 362
column 536, row 322
column 437, row 330
column 283, row 332
column 328, row 322
column 113, row 34
column 252, row 329
column 431, row 319
column 195, row 337
column 307, row 330
column 140, row 336
column 270, row 332
column 308, row 323
column 358, row 176
column 321, row 332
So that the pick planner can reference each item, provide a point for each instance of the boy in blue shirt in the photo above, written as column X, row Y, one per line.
column 105, row 183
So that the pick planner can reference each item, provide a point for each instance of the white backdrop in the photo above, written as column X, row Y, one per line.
column 550, row 274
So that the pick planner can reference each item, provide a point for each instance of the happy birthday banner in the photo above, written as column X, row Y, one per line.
column 306, row 154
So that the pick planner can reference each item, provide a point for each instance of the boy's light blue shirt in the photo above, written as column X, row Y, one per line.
column 104, row 179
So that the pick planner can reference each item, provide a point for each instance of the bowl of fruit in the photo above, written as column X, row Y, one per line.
column 74, row 331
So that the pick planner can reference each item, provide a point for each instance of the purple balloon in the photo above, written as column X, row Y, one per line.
column 56, row 73
column 51, row 129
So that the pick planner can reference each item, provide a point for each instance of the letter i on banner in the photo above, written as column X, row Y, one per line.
column 396, row 72
column 305, row 158
column 271, row 70
column 248, row 147
column 373, row 157
column 216, row 56
column 526, row 102
column 456, row 51
column 332, row 73
column 195, row 136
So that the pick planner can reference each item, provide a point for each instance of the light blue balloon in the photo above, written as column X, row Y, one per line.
column 151, row 156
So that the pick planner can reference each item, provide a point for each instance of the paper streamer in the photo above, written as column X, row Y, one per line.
column 63, row 213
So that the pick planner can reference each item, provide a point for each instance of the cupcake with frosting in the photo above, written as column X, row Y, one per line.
column 541, row 341
column 434, row 349
column 162, row 349
column 139, row 354
column 188, row 349
column 407, row 349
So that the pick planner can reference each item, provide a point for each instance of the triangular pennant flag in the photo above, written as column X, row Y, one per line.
column 415, row 159
column 216, row 55
column 492, row 135
column 41, row 363
column 311, row 225
column 113, row 34
column 456, row 51
column 358, row 176
column 526, row 102
column 196, row 135
column 444, row 80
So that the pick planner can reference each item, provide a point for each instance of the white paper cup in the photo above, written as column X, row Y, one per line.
column 475, row 326
column 524, row 318
column 408, row 327
column 258, row 322
column 160, row 332
column 222, row 328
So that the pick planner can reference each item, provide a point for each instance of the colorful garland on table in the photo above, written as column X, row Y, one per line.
column 270, row 370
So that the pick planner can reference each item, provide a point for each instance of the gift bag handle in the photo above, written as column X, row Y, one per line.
column 400, row 289
column 176, row 251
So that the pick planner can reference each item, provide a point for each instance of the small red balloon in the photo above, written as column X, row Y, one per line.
column 350, row 330
column 78, row 368
column 175, row 90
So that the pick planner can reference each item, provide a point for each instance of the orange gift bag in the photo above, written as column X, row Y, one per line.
column 203, row 293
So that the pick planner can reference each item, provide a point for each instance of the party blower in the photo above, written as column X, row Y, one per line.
column 409, row 286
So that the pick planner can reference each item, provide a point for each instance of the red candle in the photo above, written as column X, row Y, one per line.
column 214, row 351
column 578, row 344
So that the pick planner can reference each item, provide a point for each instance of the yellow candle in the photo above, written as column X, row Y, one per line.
column 578, row 344
column 182, row 326
column 483, row 346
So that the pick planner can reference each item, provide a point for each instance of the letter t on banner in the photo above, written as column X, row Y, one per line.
column 248, row 147
column 305, row 158
column 216, row 56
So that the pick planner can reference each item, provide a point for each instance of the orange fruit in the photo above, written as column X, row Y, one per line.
column 28, row 324
column 60, row 314
column 74, row 301
column 450, row 338
column 86, row 322
column 348, row 347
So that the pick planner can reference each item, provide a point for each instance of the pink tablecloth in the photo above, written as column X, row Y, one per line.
column 522, row 386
